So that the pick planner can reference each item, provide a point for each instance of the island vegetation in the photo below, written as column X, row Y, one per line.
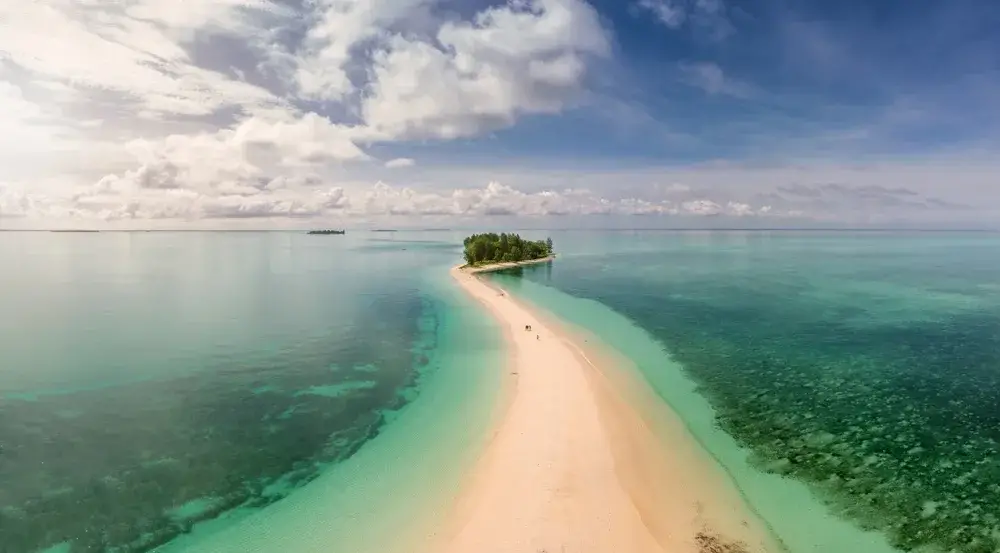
column 482, row 249
column 327, row 232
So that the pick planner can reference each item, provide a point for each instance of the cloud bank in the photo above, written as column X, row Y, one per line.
column 222, row 108
column 145, row 195
column 264, row 110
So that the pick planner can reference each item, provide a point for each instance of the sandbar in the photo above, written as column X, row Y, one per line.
column 584, row 458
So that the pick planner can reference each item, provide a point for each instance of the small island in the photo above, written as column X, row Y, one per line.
column 490, row 248
column 327, row 232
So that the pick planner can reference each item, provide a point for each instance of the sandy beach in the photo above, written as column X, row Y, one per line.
column 506, row 265
column 585, row 459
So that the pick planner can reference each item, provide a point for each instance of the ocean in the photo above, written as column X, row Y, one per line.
column 217, row 392
column 159, row 390
column 849, row 383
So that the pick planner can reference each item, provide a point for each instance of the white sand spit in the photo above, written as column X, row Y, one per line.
column 581, row 462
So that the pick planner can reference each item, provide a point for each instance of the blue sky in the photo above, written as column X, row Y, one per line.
column 778, row 80
column 227, row 113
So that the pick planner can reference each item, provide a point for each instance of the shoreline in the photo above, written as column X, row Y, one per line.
column 392, row 494
column 617, row 374
column 491, row 267
column 584, row 460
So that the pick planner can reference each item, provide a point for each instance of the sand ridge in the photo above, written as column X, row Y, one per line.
column 574, row 468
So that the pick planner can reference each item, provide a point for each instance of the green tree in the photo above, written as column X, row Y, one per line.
column 504, row 247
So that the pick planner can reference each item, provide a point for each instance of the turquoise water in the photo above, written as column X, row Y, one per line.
column 229, row 392
column 849, row 383
column 192, row 390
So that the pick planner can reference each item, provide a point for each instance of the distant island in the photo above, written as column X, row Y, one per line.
column 327, row 232
column 481, row 249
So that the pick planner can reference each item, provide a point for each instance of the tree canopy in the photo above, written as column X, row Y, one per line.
column 502, row 248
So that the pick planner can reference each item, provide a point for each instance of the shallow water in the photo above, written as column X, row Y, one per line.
column 218, row 392
column 161, row 387
column 848, row 377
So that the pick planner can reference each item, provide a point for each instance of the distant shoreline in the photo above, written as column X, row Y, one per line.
column 491, row 267
column 568, row 229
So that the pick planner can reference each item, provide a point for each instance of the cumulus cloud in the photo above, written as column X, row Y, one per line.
column 151, row 193
column 240, row 158
column 225, row 109
column 496, row 199
column 522, row 58
column 702, row 207
column 218, row 96
column 274, row 204
column 741, row 209
column 253, row 188
column 331, row 46
column 400, row 162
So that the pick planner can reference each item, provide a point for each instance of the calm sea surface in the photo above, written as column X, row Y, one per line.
column 170, row 388
column 153, row 381
column 864, row 365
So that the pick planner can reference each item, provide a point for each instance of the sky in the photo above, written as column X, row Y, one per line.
column 629, row 113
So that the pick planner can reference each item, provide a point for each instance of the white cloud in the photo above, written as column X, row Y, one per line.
column 301, row 139
column 343, row 27
column 222, row 109
column 218, row 96
column 227, row 15
column 708, row 16
column 163, row 192
column 125, row 51
column 250, row 188
column 740, row 209
column 496, row 199
column 452, row 79
column 251, row 156
column 523, row 58
column 702, row 207
column 274, row 205
column 400, row 162
column 668, row 12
